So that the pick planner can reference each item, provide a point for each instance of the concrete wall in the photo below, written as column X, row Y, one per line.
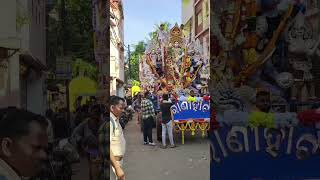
column 120, row 91
column 113, row 87
column 8, row 16
column 116, row 55
column 35, row 93
column 187, row 11
column 12, row 97
column 29, row 37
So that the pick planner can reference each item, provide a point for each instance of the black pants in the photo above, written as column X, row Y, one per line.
column 147, row 129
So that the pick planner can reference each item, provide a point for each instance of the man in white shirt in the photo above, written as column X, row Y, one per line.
column 162, row 35
column 117, row 140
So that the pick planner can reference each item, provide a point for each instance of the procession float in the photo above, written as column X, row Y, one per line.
column 265, row 73
column 174, row 65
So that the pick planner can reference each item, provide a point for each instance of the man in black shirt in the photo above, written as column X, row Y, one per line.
column 166, row 120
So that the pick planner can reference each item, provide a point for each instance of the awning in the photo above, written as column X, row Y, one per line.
column 33, row 62
column 11, row 43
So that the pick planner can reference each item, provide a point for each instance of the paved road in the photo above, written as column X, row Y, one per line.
column 186, row 162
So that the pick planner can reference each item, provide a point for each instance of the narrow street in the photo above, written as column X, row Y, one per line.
column 188, row 162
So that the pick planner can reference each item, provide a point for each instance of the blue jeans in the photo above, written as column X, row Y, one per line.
column 166, row 127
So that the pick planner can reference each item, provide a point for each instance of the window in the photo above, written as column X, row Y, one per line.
column 311, row 4
column 199, row 22
column 188, row 28
column 199, row 19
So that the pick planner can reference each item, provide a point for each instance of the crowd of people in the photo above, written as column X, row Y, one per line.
column 26, row 137
column 148, row 106
column 97, row 135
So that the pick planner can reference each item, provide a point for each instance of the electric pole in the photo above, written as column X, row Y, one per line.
column 64, row 53
column 129, row 61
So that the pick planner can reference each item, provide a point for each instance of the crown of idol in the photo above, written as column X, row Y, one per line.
column 176, row 35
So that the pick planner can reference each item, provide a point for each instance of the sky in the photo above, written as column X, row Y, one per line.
column 140, row 16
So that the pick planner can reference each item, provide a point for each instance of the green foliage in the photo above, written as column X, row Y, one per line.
column 23, row 16
column 77, row 35
column 83, row 68
column 80, row 30
column 134, row 60
column 140, row 49
column 185, row 2
column 135, row 83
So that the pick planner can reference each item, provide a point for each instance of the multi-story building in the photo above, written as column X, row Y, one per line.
column 116, row 48
column 196, row 20
column 23, row 54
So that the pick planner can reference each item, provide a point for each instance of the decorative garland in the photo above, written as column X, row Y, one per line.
column 261, row 119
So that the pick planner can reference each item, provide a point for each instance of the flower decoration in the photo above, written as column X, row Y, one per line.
column 183, row 98
column 261, row 119
column 191, row 99
column 309, row 117
column 198, row 99
column 286, row 119
column 206, row 98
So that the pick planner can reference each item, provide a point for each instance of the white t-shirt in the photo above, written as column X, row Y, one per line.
column 162, row 35
column 117, row 141
column 6, row 172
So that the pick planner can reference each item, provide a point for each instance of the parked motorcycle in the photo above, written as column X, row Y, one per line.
column 126, row 116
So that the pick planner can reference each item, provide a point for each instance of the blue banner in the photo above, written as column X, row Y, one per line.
column 264, row 154
column 184, row 110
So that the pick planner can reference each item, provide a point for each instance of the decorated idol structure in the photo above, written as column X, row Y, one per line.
column 265, row 88
column 172, row 65
column 268, row 46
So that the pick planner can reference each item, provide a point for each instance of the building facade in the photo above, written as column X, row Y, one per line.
column 117, row 48
column 196, row 19
column 23, row 55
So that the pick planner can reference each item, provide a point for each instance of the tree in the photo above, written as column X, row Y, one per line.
column 140, row 49
column 78, row 34
column 134, row 60
column 83, row 68
column 80, row 30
